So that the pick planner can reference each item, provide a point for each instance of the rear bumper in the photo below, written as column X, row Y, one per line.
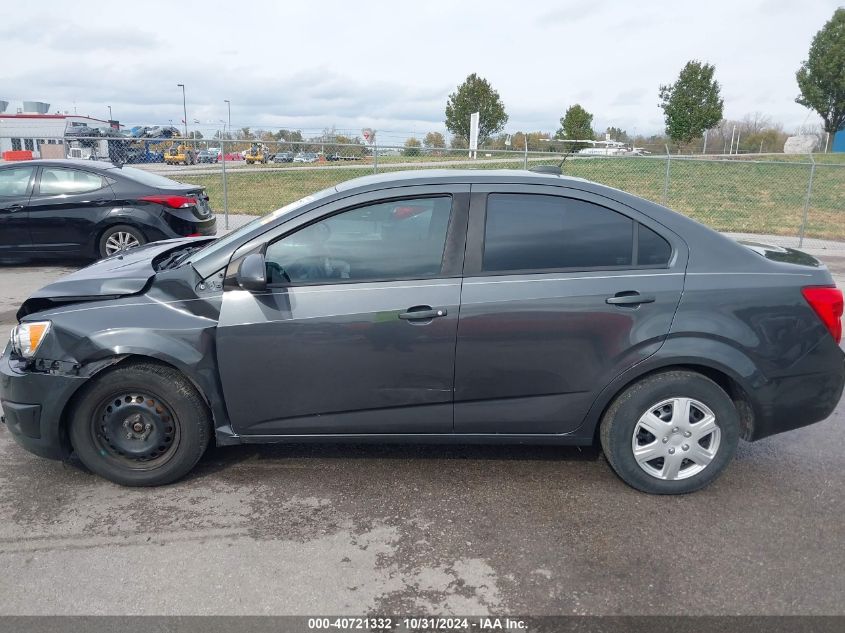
column 183, row 226
column 795, row 401
column 33, row 404
column 207, row 227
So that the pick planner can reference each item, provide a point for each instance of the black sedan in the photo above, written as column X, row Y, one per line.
column 63, row 208
column 433, row 306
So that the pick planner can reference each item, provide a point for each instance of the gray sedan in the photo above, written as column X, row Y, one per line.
column 433, row 306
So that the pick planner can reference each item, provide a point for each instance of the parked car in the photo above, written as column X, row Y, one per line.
column 283, row 157
column 63, row 208
column 207, row 156
column 305, row 157
column 337, row 157
column 432, row 306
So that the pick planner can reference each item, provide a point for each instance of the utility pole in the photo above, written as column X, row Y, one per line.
column 184, row 109
column 229, row 106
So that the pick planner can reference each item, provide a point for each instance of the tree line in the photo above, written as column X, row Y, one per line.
column 692, row 107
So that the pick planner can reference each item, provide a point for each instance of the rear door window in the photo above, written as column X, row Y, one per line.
column 532, row 232
column 56, row 180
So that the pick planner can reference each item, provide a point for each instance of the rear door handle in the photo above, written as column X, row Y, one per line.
column 422, row 313
column 13, row 208
column 629, row 298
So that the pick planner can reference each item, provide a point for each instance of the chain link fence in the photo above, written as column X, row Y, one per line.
column 791, row 200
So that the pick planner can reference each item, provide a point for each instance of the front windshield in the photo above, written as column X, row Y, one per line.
column 223, row 242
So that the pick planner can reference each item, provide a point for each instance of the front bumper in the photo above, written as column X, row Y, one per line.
column 33, row 404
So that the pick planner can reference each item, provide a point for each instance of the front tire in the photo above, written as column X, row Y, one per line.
column 140, row 424
column 670, row 433
column 120, row 238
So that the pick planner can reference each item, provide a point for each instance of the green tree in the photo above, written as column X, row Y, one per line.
column 475, row 94
column 459, row 142
column 617, row 134
column 434, row 140
column 693, row 103
column 412, row 147
column 821, row 77
column 576, row 124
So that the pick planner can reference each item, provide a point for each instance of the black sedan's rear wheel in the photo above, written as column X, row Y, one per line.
column 670, row 433
column 140, row 424
column 120, row 238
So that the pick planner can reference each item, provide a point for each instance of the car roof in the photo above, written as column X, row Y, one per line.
column 62, row 162
column 446, row 176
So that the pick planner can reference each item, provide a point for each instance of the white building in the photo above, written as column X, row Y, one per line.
column 31, row 130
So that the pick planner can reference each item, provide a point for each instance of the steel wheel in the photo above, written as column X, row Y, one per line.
column 135, row 430
column 676, row 439
column 120, row 241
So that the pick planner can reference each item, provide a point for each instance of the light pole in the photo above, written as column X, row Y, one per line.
column 229, row 106
column 110, row 116
column 184, row 109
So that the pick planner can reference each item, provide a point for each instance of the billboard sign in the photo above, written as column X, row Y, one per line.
column 473, row 133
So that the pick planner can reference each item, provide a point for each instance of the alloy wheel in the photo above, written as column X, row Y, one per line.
column 120, row 241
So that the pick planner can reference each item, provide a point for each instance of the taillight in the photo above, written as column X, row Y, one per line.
column 827, row 303
column 174, row 202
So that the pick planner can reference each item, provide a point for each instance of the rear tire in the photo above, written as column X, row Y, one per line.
column 120, row 238
column 140, row 424
column 670, row 433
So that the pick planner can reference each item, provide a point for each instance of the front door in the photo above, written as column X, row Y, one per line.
column 563, row 291
column 356, row 331
column 15, row 187
column 65, row 207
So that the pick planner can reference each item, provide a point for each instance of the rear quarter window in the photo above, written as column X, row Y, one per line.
column 652, row 250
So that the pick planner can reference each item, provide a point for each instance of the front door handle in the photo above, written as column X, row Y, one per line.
column 629, row 298
column 13, row 208
column 422, row 313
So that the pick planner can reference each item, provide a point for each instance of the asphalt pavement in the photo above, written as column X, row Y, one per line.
column 310, row 529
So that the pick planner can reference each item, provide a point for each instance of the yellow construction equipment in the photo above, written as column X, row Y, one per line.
column 180, row 154
column 257, row 153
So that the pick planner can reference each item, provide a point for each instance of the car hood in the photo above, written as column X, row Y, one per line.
column 116, row 276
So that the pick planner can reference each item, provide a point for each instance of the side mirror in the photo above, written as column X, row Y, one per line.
column 252, row 274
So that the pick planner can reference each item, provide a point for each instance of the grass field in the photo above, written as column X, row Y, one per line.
column 737, row 195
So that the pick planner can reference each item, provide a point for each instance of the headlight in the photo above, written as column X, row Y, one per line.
column 26, row 337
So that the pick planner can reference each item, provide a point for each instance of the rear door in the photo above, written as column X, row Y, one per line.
column 356, row 331
column 563, row 290
column 65, row 207
column 15, row 188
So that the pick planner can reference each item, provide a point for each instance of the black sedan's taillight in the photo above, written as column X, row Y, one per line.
column 174, row 202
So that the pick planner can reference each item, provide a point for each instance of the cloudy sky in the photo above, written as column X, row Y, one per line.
column 391, row 64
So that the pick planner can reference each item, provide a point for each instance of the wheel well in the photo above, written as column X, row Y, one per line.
column 737, row 394
column 105, row 367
